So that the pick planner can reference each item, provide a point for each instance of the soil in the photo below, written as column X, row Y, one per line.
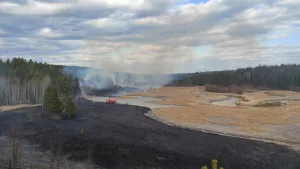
column 123, row 137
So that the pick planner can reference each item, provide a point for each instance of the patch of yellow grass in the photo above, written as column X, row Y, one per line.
column 7, row 108
column 248, row 119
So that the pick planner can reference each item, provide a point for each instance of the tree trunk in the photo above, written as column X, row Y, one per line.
column 6, row 91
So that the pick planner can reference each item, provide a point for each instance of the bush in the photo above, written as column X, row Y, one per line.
column 220, row 89
column 269, row 104
column 81, row 132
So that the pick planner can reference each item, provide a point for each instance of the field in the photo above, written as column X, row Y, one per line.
column 121, row 136
column 257, row 114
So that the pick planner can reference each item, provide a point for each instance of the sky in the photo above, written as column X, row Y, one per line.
column 152, row 36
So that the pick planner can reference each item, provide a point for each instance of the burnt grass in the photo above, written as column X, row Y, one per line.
column 121, row 136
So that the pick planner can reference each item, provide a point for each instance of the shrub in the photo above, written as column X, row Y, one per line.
column 220, row 89
column 81, row 132
column 269, row 104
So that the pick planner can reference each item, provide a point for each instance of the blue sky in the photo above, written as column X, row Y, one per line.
column 152, row 36
column 291, row 39
column 198, row 1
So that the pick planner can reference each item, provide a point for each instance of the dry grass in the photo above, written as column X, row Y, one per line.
column 197, row 109
column 245, row 118
column 7, row 108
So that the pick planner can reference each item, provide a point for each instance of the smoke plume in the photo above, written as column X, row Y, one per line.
column 124, row 65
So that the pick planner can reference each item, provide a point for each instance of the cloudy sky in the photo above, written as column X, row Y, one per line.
column 152, row 35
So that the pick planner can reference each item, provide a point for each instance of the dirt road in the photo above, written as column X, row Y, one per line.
column 123, row 137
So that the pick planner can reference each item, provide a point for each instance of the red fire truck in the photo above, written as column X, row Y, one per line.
column 111, row 101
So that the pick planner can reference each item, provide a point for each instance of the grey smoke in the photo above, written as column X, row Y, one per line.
column 101, row 79
column 118, row 67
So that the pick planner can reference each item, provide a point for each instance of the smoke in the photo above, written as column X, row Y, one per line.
column 124, row 65
column 101, row 79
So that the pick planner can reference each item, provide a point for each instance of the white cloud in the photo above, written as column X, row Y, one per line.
column 2, row 32
column 49, row 33
column 131, row 4
column 108, row 24
column 153, row 21
column 32, row 8
column 1, row 43
column 136, row 35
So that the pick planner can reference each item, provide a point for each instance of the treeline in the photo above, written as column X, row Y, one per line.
column 284, row 77
column 29, row 82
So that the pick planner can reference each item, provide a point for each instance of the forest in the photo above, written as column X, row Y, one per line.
column 30, row 82
column 283, row 77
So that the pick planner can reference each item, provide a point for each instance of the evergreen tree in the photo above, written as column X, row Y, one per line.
column 77, row 90
column 47, row 100
column 70, row 108
column 284, row 77
column 56, row 102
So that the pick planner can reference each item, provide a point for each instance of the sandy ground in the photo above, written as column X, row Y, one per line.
column 137, row 101
column 196, row 111
column 6, row 108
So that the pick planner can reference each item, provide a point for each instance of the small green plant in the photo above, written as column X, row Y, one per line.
column 81, row 132
column 214, row 165
column 38, row 153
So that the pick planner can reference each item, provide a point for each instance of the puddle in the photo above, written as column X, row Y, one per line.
column 228, row 102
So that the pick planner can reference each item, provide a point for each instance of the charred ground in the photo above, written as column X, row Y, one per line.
column 123, row 137
column 110, row 91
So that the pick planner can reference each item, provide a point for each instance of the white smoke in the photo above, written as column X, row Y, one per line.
column 100, row 79
column 125, row 66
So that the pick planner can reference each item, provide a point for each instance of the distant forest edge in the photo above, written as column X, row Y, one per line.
column 283, row 77
column 26, row 81
column 29, row 82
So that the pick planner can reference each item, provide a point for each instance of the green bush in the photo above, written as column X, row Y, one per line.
column 81, row 132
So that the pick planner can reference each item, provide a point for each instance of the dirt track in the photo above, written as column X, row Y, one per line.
column 123, row 137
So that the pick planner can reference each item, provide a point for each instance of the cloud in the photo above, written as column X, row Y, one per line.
column 1, row 32
column 32, row 8
column 1, row 43
column 151, row 35
column 48, row 32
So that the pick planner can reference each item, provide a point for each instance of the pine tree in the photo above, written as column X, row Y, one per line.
column 56, row 102
column 47, row 100
column 77, row 90
column 70, row 108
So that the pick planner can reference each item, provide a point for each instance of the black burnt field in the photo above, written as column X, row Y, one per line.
column 121, row 136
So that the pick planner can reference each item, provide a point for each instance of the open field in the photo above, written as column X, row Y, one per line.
column 121, row 136
column 279, row 123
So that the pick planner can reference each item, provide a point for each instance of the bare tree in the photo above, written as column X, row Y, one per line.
column 56, row 146
column 89, row 164
column 15, row 146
